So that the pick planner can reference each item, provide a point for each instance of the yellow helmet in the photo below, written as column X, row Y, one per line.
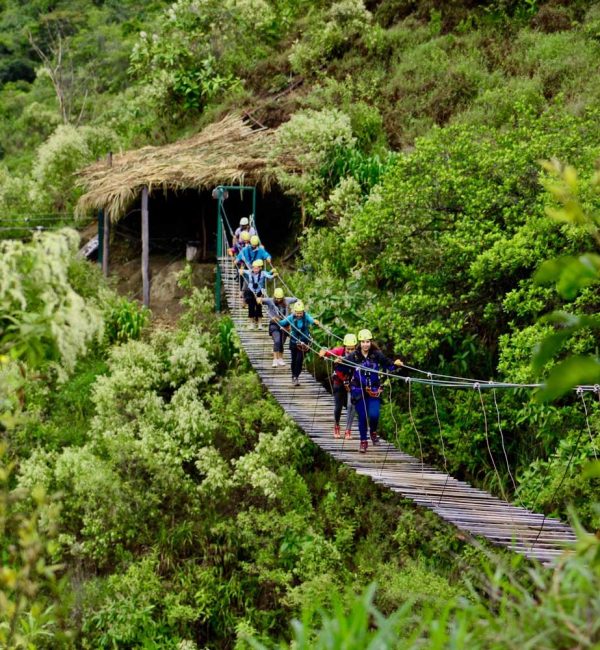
column 245, row 235
column 254, row 240
column 258, row 263
column 349, row 340
column 365, row 335
column 278, row 293
column 298, row 307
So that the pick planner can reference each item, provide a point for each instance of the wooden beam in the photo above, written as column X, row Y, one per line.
column 106, row 230
column 105, row 243
column 145, row 248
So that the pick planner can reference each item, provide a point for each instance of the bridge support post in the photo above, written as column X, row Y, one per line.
column 218, row 283
column 221, row 193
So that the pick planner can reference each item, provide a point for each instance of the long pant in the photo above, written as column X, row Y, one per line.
column 254, row 309
column 367, row 407
column 341, row 398
column 278, row 335
column 297, row 359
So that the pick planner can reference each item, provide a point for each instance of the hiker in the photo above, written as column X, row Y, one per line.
column 298, row 325
column 363, row 367
column 235, row 251
column 242, row 228
column 247, row 256
column 255, row 290
column 278, row 308
column 253, row 252
column 239, row 244
column 340, row 384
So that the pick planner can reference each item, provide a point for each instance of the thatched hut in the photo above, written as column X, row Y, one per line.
column 173, row 185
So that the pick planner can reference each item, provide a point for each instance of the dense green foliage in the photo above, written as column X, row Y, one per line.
column 192, row 514
column 43, row 317
column 193, row 484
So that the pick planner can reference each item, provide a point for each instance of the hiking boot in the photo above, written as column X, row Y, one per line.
column 363, row 446
column 260, row 325
column 375, row 439
column 347, row 434
column 336, row 431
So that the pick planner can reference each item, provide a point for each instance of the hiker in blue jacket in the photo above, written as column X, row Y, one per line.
column 278, row 308
column 255, row 290
column 249, row 254
column 298, row 324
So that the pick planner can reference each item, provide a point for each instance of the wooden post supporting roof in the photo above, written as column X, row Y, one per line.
column 145, row 248
column 105, row 243
column 106, row 230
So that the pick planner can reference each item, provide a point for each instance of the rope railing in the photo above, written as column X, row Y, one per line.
column 432, row 378
column 534, row 535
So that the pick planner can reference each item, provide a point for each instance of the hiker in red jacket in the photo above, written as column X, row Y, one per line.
column 340, row 385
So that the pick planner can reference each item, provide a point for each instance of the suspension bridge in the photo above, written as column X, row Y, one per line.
column 473, row 511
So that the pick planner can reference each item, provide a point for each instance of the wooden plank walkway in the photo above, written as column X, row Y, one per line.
column 469, row 509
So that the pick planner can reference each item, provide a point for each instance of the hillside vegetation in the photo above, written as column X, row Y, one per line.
column 152, row 496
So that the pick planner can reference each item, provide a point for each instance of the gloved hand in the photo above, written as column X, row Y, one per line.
column 322, row 353
column 317, row 322
column 259, row 300
column 398, row 363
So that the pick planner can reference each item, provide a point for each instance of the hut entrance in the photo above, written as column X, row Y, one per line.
column 187, row 219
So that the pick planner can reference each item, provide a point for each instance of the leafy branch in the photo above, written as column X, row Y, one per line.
column 570, row 275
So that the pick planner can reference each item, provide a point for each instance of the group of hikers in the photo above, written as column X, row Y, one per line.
column 358, row 364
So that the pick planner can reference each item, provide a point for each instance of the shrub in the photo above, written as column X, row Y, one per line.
column 42, row 318
column 345, row 21
column 199, row 49
column 557, row 61
column 125, row 320
column 309, row 138
column 15, row 202
column 32, row 598
column 437, row 81
column 66, row 150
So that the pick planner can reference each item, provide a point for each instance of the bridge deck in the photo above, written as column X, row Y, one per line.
column 469, row 509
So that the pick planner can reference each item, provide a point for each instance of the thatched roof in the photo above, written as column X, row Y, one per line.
column 228, row 152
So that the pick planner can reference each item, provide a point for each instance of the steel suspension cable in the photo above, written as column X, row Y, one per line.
column 489, row 448
column 395, row 431
column 587, row 422
column 437, row 417
column 514, row 484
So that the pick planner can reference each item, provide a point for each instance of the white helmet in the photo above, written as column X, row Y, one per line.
column 244, row 221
